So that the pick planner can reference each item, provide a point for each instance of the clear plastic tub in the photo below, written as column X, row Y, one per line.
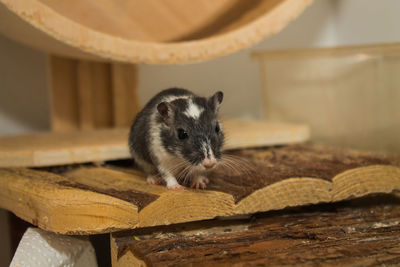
column 349, row 96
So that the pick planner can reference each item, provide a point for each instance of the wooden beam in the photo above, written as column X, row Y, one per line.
column 46, row 149
column 85, row 95
column 63, row 94
column 271, row 179
column 125, row 99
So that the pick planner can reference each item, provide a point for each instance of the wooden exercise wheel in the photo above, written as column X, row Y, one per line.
column 154, row 32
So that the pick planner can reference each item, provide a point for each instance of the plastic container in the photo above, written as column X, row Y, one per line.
column 349, row 96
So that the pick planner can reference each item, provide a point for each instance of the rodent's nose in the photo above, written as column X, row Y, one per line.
column 208, row 164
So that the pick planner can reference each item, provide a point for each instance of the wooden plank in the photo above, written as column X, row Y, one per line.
column 271, row 179
column 90, row 95
column 46, row 200
column 101, row 95
column 345, row 234
column 64, row 94
column 125, row 99
column 85, row 94
column 46, row 149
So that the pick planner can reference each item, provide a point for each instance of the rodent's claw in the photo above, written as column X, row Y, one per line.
column 200, row 183
column 176, row 187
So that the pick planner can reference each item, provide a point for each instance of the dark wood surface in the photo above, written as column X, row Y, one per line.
column 267, row 166
column 354, row 233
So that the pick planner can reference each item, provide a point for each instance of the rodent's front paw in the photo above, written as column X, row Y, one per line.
column 176, row 187
column 154, row 180
column 199, row 182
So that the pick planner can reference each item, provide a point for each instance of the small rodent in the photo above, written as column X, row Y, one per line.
column 177, row 135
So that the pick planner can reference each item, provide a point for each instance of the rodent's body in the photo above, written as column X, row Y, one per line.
column 177, row 134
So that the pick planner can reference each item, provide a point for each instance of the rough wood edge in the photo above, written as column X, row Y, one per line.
column 47, row 205
column 360, row 181
column 112, row 144
column 187, row 206
column 128, row 258
column 79, row 41
column 41, row 199
column 287, row 193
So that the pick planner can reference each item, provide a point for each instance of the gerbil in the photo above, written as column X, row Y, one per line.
column 177, row 134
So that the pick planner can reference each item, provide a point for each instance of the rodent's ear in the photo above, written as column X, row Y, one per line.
column 165, row 110
column 216, row 100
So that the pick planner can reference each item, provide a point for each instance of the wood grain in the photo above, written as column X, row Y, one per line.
column 64, row 104
column 125, row 98
column 155, row 32
column 46, row 149
column 345, row 234
column 274, row 179
column 46, row 200
column 87, row 95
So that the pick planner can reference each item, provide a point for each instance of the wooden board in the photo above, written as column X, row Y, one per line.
column 155, row 32
column 64, row 94
column 46, row 149
column 363, row 233
column 87, row 95
column 115, row 198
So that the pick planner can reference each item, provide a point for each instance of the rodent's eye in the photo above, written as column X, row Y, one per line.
column 217, row 129
column 182, row 134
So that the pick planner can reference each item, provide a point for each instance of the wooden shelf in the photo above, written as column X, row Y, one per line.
column 47, row 149
column 90, row 199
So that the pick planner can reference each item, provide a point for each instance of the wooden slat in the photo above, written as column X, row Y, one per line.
column 125, row 99
column 64, row 94
column 48, row 149
column 90, row 95
column 101, row 95
column 346, row 234
column 85, row 95
column 272, row 179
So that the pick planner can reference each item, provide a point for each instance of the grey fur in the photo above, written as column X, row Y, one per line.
column 159, row 123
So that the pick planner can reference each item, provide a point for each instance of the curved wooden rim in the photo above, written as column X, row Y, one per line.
column 105, row 46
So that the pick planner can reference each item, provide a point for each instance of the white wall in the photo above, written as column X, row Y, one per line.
column 366, row 21
column 23, row 89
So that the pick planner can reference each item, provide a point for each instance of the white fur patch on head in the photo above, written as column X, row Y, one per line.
column 193, row 110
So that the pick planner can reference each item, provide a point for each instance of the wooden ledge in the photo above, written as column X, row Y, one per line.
column 89, row 200
column 48, row 149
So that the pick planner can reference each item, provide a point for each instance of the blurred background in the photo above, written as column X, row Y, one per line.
column 251, row 78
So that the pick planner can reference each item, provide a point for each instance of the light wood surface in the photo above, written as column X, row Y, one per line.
column 157, row 32
column 90, row 199
column 87, row 95
column 46, row 149
column 125, row 98
column 64, row 101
